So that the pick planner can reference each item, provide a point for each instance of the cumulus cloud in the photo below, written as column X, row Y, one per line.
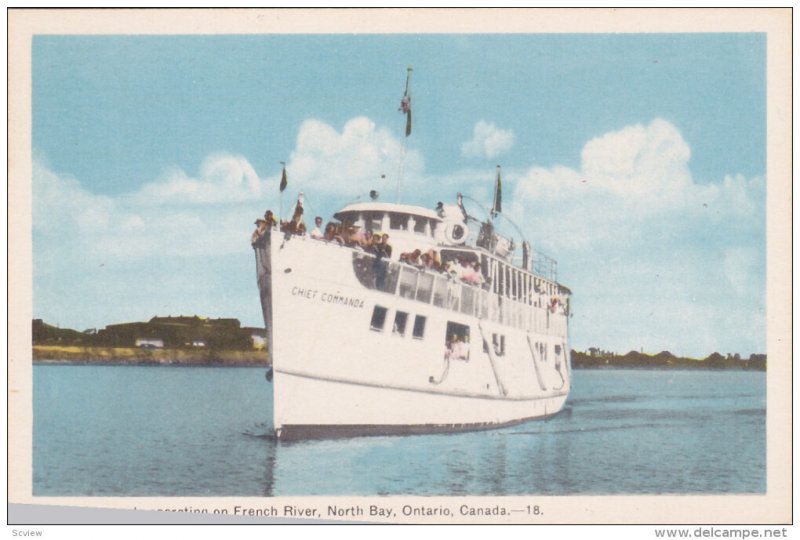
column 649, row 251
column 198, row 221
column 636, row 176
column 641, row 239
column 221, row 178
column 349, row 162
column 210, row 212
column 488, row 141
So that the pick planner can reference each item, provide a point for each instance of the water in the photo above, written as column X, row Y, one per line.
column 196, row 431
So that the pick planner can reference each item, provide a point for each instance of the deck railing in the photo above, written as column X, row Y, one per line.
column 450, row 293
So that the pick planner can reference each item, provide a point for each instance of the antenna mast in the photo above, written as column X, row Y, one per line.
column 405, row 108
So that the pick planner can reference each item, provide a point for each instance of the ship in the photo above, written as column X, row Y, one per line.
column 401, row 319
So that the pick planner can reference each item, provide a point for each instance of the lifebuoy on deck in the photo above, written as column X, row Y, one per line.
column 456, row 233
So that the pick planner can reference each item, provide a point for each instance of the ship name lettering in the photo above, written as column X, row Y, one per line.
column 299, row 511
column 306, row 293
column 409, row 510
column 495, row 510
column 341, row 300
column 345, row 511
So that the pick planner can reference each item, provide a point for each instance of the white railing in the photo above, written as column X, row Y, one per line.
column 448, row 292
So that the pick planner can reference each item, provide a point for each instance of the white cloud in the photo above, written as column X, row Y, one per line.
column 349, row 162
column 629, row 181
column 488, row 141
column 739, row 265
column 649, row 252
column 174, row 216
column 221, row 178
column 656, row 254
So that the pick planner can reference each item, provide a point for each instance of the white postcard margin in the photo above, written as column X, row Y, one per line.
column 772, row 508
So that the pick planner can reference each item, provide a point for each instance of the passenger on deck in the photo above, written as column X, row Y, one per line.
column 330, row 233
column 386, row 246
column 316, row 232
column 411, row 257
column 432, row 261
column 471, row 273
column 340, row 234
column 296, row 225
column 261, row 227
column 457, row 349
column 353, row 237
column 366, row 243
column 271, row 220
column 455, row 270
column 382, row 250
column 288, row 227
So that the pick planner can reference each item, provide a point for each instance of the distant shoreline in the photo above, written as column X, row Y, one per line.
column 667, row 361
column 58, row 354
column 77, row 355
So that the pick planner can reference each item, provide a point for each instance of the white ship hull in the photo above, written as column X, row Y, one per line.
column 336, row 374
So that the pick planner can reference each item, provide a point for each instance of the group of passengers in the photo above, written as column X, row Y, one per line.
column 355, row 237
column 460, row 268
column 429, row 260
column 262, row 225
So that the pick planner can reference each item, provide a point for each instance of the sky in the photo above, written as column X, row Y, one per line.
column 637, row 161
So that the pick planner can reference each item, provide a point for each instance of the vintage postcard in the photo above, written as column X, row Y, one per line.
column 405, row 266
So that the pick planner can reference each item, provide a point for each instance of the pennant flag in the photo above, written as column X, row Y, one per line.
column 405, row 103
column 498, row 194
column 283, row 179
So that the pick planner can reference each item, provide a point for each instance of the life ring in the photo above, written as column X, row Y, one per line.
column 456, row 233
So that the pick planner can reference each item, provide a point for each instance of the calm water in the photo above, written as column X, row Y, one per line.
column 160, row 431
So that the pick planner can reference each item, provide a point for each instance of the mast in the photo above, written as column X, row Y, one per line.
column 497, row 205
column 282, row 187
column 405, row 108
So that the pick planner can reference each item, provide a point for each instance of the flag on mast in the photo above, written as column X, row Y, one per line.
column 497, row 207
column 283, row 177
column 405, row 103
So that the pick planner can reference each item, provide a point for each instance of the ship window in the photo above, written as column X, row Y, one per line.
column 457, row 341
column 373, row 221
column 398, row 222
column 439, row 291
column 378, row 318
column 408, row 282
column 419, row 225
column 467, row 300
column 419, row 327
column 400, row 320
column 424, row 288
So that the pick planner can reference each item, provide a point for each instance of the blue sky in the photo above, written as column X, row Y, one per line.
column 637, row 161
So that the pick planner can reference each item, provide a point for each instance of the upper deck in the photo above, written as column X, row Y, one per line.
column 413, row 228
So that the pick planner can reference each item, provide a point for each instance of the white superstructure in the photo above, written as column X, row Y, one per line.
column 363, row 345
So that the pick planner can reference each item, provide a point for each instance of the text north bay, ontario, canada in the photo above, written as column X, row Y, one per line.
column 384, row 511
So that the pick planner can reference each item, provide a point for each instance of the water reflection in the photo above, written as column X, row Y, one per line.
column 622, row 432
